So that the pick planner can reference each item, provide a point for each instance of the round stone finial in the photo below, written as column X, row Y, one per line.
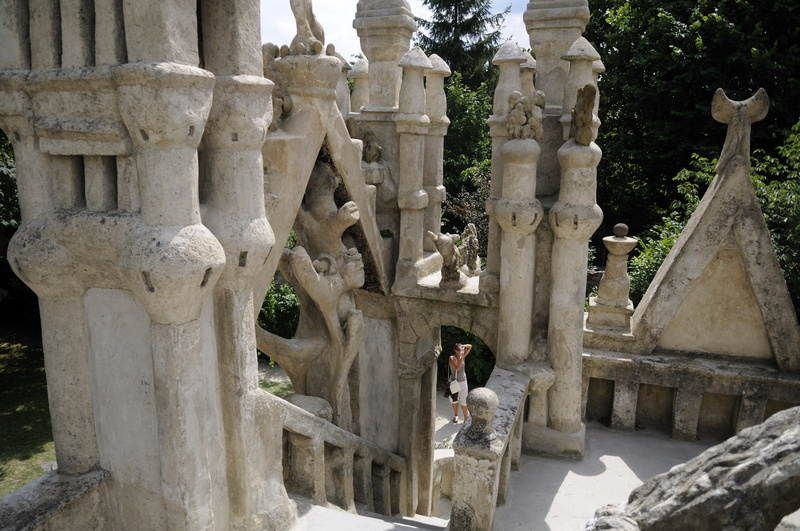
column 482, row 404
column 620, row 230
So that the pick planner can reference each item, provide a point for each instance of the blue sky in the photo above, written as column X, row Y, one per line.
column 336, row 16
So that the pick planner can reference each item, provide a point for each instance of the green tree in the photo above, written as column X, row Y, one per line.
column 664, row 59
column 465, row 34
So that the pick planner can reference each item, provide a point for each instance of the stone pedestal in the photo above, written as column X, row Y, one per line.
column 612, row 309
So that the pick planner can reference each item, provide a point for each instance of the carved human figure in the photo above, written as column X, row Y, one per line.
column 470, row 247
column 452, row 259
column 310, row 36
column 320, row 223
column 324, row 274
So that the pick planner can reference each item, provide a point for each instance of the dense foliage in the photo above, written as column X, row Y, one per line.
column 776, row 179
column 465, row 33
column 664, row 60
column 281, row 310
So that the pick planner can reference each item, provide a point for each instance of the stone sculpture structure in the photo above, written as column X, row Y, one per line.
column 161, row 169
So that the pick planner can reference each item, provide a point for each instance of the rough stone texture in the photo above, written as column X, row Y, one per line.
column 54, row 501
column 750, row 482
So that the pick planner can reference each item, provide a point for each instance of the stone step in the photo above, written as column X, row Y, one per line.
column 317, row 518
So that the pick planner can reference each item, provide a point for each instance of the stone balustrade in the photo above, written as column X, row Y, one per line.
column 330, row 465
column 699, row 395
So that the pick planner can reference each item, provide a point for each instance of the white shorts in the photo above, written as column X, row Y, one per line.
column 462, row 395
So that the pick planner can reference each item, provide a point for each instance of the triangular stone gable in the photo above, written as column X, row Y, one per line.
column 726, row 241
column 289, row 157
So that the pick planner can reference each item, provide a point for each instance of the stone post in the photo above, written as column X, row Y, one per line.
column 574, row 218
column 171, row 263
column 581, row 56
column 508, row 59
column 479, row 453
column 518, row 213
column 239, row 118
column 412, row 126
column 436, row 110
column 385, row 28
column 360, row 95
column 612, row 308
column 342, row 90
column 553, row 26
column 527, row 72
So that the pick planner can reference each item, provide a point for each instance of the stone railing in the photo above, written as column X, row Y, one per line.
column 490, row 444
column 698, row 394
column 330, row 465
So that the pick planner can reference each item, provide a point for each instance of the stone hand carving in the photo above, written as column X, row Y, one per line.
column 525, row 114
column 324, row 274
column 310, row 37
column 584, row 122
column 470, row 248
column 372, row 150
column 452, row 259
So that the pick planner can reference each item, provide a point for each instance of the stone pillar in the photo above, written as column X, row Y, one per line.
column 553, row 26
column 342, row 90
column 518, row 213
column 527, row 71
column 171, row 263
column 385, row 28
column 581, row 56
column 360, row 96
column 612, row 308
column 574, row 218
column 233, row 210
column 412, row 126
column 436, row 110
column 508, row 59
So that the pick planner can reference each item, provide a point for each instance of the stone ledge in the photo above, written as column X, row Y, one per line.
column 51, row 495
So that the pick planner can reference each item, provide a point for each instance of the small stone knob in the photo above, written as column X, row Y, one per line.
column 482, row 404
column 620, row 230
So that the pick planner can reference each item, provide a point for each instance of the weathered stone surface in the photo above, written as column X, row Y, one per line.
column 750, row 482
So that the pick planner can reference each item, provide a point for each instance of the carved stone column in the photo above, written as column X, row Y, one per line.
column 574, row 218
column 508, row 59
column 581, row 56
column 360, row 96
column 519, row 213
column 436, row 109
column 412, row 125
column 385, row 28
column 527, row 72
column 233, row 211
column 553, row 25
column 171, row 263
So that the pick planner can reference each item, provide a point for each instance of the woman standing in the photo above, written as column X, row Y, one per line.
column 458, row 373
